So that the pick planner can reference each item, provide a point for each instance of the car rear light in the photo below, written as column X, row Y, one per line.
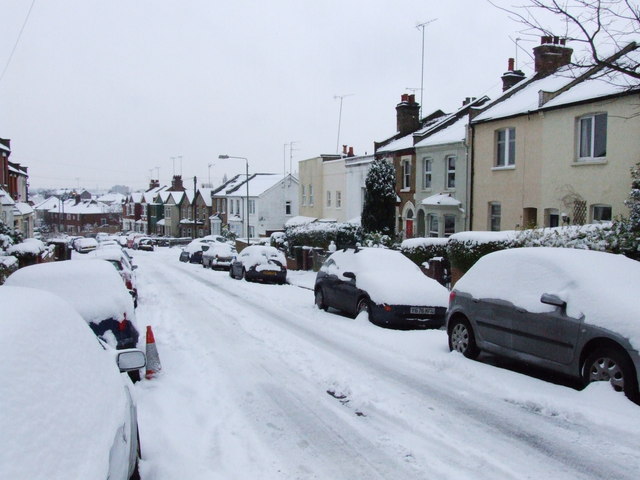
column 122, row 324
column 452, row 296
column 129, row 285
column 387, row 308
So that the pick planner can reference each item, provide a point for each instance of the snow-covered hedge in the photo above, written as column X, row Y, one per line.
column 8, row 265
column 320, row 234
column 466, row 248
column 421, row 250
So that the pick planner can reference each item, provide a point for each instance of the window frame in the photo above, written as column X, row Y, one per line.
column 427, row 174
column 594, row 137
column 507, row 147
column 450, row 179
column 338, row 199
column 493, row 216
column 287, row 207
column 328, row 198
column 601, row 207
column 406, row 174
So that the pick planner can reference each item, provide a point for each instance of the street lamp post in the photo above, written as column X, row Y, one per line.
column 224, row 157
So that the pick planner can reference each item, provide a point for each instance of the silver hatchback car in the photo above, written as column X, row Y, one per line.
column 576, row 312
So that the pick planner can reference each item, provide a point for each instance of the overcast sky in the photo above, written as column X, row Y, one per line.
column 100, row 93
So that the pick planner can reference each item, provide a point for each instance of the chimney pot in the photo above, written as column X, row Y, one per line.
column 412, row 98
column 344, row 149
column 404, row 97
column 511, row 64
column 350, row 152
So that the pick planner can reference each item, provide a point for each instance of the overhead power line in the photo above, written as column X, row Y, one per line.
column 13, row 50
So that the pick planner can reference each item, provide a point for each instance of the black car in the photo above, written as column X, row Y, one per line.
column 147, row 244
column 571, row 311
column 385, row 284
column 260, row 263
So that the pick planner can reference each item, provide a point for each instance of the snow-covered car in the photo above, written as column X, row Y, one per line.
column 119, row 258
column 144, row 243
column 217, row 239
column 218, row 256
column 260, row 263
column 94, row 289
column 192, row 253
column 567, row 310
column 385, row 284
column 84, row 245
column 67, row 410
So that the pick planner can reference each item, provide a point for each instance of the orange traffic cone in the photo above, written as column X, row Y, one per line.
column 153, row 359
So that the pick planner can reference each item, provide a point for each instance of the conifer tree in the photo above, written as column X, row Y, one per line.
column 378, row 212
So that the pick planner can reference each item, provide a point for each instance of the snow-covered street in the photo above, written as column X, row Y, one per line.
column 257, row 383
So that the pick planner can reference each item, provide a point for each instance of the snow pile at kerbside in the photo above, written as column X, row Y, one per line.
column 94, row 288
column 389, row 277
column 60, row 392
column 601, row 286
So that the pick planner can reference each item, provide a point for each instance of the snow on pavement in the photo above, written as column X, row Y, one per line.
column 244, row 394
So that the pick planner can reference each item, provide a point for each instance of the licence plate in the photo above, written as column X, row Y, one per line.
column 422, row 310
column 268, row 272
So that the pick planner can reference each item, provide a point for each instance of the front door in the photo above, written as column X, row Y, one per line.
column 409, row 228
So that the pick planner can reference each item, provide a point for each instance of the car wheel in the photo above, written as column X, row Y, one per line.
column 609, row 364
column 363, row 306
column 231, row 273
column 320, row 303
column 243, row 275
column 462, row 339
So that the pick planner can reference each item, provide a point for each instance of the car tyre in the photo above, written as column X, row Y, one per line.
column 612, row 365
column 319, row 298
column 462, row 338
column 243, row 275
column 363, row 306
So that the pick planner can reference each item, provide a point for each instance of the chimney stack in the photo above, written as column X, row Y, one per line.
column 551, row 54
column 176, row 184
column 154, row 184
column 408, row 114
column 511, row 76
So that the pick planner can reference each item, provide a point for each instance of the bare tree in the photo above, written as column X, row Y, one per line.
column 603, row 27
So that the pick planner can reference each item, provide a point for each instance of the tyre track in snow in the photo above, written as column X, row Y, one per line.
column 511, row 425
column 315, row 437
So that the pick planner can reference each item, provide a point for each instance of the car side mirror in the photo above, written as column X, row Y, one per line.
column 350, row 275
column 131, row 359
column 554, row 300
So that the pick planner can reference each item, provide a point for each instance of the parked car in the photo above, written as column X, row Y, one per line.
column 567, row 310
column 144, row 243
column 385, row 284
column 69, row 403
column 94, row 289
column 119, row 258
column 85, row 245
column 217, row 239
column 192, row 253
column 218, row 256
column 260, row 263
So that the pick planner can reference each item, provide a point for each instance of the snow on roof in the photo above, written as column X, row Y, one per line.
column 86, row 207
column 456, row 132
column 30, row 245
column 399, row 144
column 47, row 204
column 527, row 98
column 5, row 198
column 112, row 198
column 23, row 208
column 299, row 220
column 259, row 183
column 4, row 147
column 136, row 197
column 443, row 199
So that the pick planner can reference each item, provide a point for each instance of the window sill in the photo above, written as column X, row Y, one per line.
column 403, row 190
column 589, row 161
column 509, row 167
